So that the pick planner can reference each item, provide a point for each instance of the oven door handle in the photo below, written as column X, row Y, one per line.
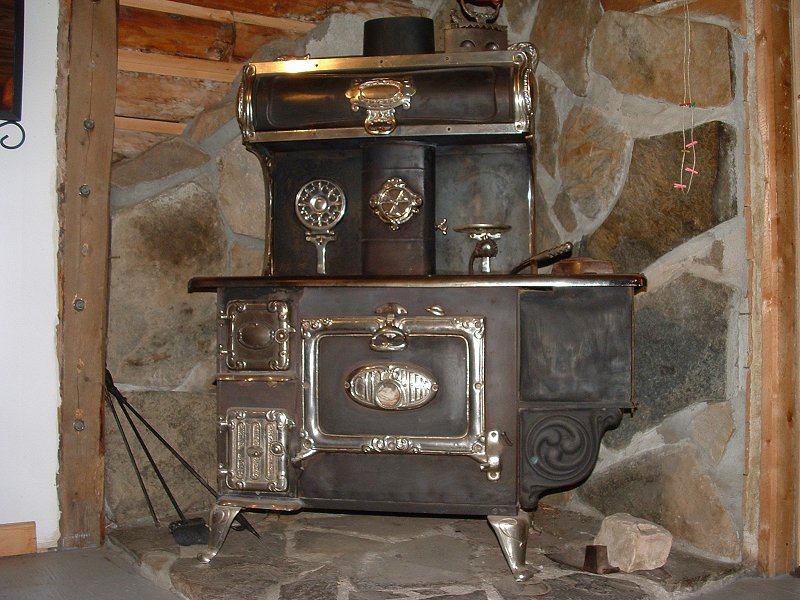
column 388, row 338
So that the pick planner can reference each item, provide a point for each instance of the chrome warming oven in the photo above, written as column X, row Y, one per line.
column 402, row 350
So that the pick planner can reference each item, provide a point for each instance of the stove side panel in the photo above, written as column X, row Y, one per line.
column 575, row 382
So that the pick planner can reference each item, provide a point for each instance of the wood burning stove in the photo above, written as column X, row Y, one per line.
column 372, row 367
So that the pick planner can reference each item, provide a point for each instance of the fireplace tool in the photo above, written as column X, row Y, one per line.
column 186, row 532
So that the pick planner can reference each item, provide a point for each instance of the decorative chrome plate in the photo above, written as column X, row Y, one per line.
column 257, row 335
column 395, row 203
column 320, row 204
column 256, row 449
column 391, row 386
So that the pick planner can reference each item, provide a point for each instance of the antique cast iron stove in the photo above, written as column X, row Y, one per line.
column 375, row 366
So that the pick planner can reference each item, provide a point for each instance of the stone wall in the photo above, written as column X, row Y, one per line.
column 610, row 130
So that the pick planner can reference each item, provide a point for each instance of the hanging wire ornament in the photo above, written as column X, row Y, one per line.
column 688, row 150
column 4, row 137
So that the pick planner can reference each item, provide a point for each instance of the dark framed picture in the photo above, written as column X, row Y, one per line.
column 11, row 22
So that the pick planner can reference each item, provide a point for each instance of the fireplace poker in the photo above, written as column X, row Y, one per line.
column 133, row 460
column 186, row 532
column 126, row 406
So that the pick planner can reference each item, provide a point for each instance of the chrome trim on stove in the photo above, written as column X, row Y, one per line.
column 244, row 102
column 256, row 449
column 512, row 533
column 248, row 377
column 366, row 64
column 380, row 97
column 391, row 386
column 258, row 334
column 477, row 443
column 526, row 58
column 395, row 203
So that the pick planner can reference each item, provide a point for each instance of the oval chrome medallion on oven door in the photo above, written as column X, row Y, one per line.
column 391, row 386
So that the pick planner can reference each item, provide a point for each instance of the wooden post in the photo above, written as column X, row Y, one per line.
column 778, row 294
column 794, row 49
column 84, row 204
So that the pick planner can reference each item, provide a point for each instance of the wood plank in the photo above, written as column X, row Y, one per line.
column 795, row 49
column 156, row 97
column 221, row 15
column 628, row 5
column 181, row 8
column 90, row 41
column 177, row 66
column 175, row 35
column 778, row 295
column 290, row 25
column 17, row 538
column 317, row 10
column 151, row 125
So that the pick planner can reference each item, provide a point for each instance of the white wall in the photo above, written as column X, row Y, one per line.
column 29, row 384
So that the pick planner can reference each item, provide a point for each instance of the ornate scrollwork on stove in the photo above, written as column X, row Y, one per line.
column 476, row 442
column 391, row 386
column 319, row 205
column 244, row 103
column 395, row 203
column 392, row 444
column 560, row 448
column 526, row 59
column 257, row 336
column 256, row 457
column 380, row 97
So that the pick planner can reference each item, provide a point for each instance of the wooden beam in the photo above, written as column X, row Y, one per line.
column 221, row 16
column 149, row 125
column 795, row 48
column 83, row 264
column 176, row 66
column 18, row 538
column 778, row 292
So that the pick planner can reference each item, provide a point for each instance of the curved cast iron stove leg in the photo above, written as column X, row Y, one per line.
column 512, row 532
column 220, row 521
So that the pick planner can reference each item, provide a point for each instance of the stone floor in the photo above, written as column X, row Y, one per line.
column 331, row 556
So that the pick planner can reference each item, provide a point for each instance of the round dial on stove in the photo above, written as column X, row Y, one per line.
column 320, row 204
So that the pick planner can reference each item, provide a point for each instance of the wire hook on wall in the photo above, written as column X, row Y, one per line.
column 3, row 138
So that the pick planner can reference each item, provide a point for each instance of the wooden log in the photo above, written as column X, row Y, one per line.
column 175, row 34
column 129, row 143
column 90, row 42
column 176, row 99
column 250, row 38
